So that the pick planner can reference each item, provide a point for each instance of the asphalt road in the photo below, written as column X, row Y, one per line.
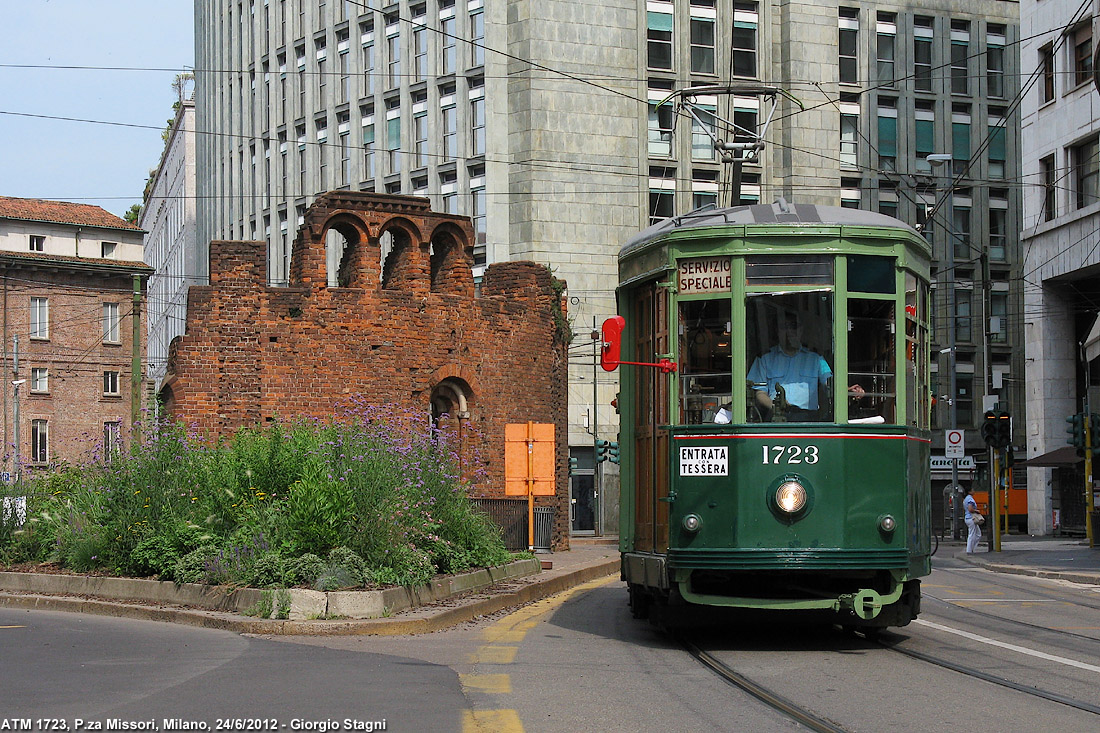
column 72, row 666
column 579, row 662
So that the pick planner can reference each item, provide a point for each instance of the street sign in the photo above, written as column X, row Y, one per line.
column 953, row 445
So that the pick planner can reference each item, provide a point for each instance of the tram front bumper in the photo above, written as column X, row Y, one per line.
column 866, row 603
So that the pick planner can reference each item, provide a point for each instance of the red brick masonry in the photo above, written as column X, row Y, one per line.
column 410, row 333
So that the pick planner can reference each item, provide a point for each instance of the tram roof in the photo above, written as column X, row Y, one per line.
column 780, row 212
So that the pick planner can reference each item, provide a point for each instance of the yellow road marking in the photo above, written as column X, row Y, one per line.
column 13, row 627
column 512, row 628
column 490, row 654
column 515, row 625
column 491, row 721
column 497, row 684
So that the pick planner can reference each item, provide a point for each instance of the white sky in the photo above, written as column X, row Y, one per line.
column 105, row 165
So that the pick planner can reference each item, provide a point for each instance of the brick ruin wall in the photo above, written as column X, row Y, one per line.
column 399, row 333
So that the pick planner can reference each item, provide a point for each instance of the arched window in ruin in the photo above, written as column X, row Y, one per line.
column 167, row 400
column 446, row 253
column 450, row 405
column 395, row 251
column 343, row 242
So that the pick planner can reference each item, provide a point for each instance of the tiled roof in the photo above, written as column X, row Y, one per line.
column 34, row 259
column 61, row 212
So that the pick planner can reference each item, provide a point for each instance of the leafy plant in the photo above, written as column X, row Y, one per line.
column 373, row 496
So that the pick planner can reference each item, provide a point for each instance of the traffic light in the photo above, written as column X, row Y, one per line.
column 996, row 429
column 573, row 466
column 987, row 428
column 1002, row 429
column 602, row 448
column 1094, row 432
column 613, row 452
column 1076, row 431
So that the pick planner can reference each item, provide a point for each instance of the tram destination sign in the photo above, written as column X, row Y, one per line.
column 705, row 461
column 705, row 275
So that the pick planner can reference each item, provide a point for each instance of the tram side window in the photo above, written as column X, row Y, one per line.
column 917, row 389
column 705, row 369
column 871, row 363
column 789, row 340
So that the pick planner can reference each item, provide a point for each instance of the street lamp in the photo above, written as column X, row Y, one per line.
column 936, row 160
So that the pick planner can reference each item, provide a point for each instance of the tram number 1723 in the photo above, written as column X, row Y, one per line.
column 775, row 454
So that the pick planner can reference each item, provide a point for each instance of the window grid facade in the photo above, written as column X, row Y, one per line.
column 680, row 43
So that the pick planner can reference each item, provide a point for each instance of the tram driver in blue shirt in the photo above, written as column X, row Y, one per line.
column 802, row 374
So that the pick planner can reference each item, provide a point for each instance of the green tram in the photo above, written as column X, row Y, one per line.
column 775, row 409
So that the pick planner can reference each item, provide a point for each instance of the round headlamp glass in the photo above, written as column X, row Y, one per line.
column 887, row 523
column 790, row 497
column 692, row 523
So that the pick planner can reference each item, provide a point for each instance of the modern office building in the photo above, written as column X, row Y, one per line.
column 1061, row 232
column 555, row 127
column 171, row 246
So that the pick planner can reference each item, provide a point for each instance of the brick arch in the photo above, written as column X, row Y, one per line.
column 451, row 402
column 169, row 394
column 367, row 216
column 355, row 268
column 451, row 260
column 405, row 266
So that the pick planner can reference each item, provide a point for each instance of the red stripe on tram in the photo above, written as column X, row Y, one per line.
column 814, row 436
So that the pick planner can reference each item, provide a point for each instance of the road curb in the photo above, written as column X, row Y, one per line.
column 1068, row 575
column 538, row 589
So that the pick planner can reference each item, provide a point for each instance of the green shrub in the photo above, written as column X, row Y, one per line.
column 192, row 567
column 304, row 570
column 267, row 571
column 155, row 555
column 354, row 567
column 372, row 496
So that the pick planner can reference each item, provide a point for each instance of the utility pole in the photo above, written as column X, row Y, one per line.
column 597, row 341
column 937, row 159
column 15, row 401
column 135, row 367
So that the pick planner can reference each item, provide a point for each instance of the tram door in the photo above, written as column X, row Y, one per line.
column 652, row 399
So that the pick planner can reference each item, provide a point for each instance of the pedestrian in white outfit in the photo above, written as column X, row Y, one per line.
column 973, row 529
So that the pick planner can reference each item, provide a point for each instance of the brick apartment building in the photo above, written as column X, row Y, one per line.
column 72, row 281
column 396, row 322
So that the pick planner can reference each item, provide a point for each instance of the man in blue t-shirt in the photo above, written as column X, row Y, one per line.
column 797, row 369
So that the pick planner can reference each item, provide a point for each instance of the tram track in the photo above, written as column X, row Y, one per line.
column 768, row 697
column 1023, row 588
column 985, row 676
column 1025, row 624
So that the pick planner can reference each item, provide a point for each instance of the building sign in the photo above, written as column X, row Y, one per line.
column 942, row 463
column 705, row 275
column 710, row 461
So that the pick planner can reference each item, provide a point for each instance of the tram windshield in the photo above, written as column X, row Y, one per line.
column 798, row 343
column 789, row 339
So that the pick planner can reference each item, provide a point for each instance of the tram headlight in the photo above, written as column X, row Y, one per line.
column 790, row 497
column 887, row 523
column 692, row 523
